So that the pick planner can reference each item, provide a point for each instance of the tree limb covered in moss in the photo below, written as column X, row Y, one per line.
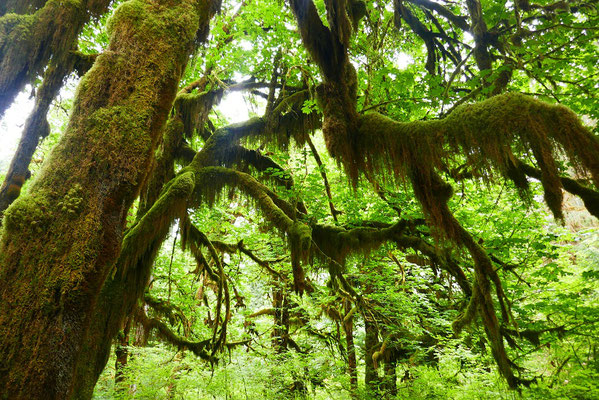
column 20, row 6
column 200, row 348
column 488, row 134
column 481, row 301
column 143, row 239
column 36, row 128
column 457, row 20
column 323, row 45
column 438, row 258
column 532, row 335
column 194, row 102
column 232, row 248
column 337, row 242
column 589, row 197
column 210, row 181
column 280, row 213
column 172, row 312
column 29, row 41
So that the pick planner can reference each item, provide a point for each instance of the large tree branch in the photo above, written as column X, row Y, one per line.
column 321, row 43
column 200, row 348
column 28, row 42
column 480, row 30
column 486, row 133
column 457, row 20
column 589, row 197
column 422, row 31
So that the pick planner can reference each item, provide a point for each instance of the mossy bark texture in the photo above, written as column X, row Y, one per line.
column 61, row 239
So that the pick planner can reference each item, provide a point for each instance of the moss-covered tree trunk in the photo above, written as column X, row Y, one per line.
column 61, row 239
column 389, row 385
column 352, row 369
column 371, row 342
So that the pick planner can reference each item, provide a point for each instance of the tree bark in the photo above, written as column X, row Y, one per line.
column 348, row 328
column 371, row 342
column 280, row 332
column 61, row 239
column 122, row 357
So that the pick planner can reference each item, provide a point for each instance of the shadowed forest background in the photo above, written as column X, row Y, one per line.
column 302, row 199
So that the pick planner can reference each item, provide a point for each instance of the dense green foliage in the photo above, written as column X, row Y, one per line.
column 276, row 256
column 554, row 286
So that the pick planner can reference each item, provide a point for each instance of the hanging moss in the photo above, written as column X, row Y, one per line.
column 194, row 108
column 487, row 134
column 162, row 170
column 210, row 182
column 300, row 239
column 200, row 349
column 207, row 184
column 154, row 226
column 481, row 303
column 337, row 242
column 340, row 119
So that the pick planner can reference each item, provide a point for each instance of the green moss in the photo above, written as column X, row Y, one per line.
column 300, row 237
column 193, row 109
column 338, row 243
column 141, row 19
column 149, row 230
column 300, row 240
column 72, row 202
column 33, row 215
column 91, row 177
column 487, row 134
column 21, row 25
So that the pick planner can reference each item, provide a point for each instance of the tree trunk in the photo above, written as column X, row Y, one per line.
column 61, row 239
column 371, row 342
column 390, row 380
column 122, row 355
column 280, row 332
column 348, row 328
